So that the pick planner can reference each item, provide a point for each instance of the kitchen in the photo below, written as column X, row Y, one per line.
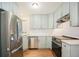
column 52, row 25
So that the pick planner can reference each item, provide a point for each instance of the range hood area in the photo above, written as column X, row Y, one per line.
column 64, row 18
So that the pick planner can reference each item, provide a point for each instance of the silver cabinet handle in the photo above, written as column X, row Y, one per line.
column 64, row 45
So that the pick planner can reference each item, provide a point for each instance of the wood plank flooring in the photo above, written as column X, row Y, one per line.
column 39, row 53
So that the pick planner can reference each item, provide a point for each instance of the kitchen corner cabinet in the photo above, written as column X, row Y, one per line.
column 65, row 8
column 74, row 14
column 69, row 50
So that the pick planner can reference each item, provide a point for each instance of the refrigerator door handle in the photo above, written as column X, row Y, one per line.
column 13, row 51
column 8, row 49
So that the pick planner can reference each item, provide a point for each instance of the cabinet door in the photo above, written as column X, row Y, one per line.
column 75, row 51
column 49, row 42
column 55, row 20
column 44, row 21
column 50, row 21
column 0, row 4
column 35, row 22
column 65, row 8
column 25, row 42
column 42, row 42
column 59, row 13
column 7, row 6
column 65, row 50
column 74, row 11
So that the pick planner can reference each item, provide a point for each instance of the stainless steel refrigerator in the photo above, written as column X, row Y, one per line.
column 10, row 35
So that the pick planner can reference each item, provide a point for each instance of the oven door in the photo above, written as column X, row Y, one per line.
column 56, row 48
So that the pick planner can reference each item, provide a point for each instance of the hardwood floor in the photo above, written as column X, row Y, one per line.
column 39, row 53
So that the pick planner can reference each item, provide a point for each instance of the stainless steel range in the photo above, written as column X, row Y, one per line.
column 57, row 43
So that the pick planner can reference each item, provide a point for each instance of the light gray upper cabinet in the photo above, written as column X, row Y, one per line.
column 0, row 4
column 65, row 8
column 44, row 21
column 50, row 21
column 9, row 6
column 35, row 21
column 74, row 14
column 41, row 21
column 55, row 19
column 59, row 13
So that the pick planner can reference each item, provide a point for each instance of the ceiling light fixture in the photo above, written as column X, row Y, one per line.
column 35, row 5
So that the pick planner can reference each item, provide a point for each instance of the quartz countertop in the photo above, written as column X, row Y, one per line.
column 65, row 38
column 68, row 40
column 71, row 42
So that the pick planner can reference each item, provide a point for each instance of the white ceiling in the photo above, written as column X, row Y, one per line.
column 45, row 7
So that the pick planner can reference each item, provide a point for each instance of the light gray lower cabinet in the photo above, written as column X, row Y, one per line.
column 74, row 14
column 70, row 50
column 25, row 42
column 49, row 42
column 44, row 42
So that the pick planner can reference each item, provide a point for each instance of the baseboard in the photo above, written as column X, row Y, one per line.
column 44, row 48
column 33, row 49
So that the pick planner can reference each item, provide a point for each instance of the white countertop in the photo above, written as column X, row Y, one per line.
column 64, row 38
column 71, row 42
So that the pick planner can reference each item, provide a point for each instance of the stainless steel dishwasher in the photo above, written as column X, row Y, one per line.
column 33, row 42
